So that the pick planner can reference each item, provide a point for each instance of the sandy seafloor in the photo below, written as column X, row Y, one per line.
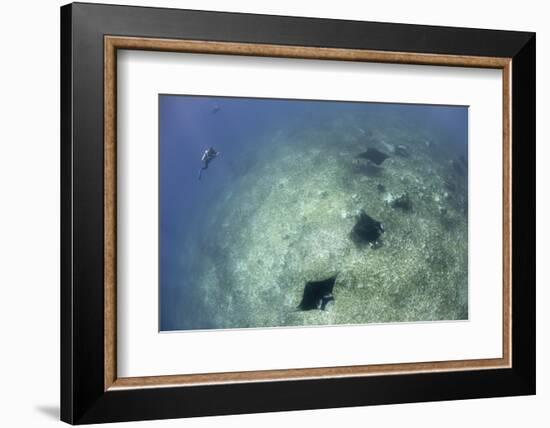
column 282, row 216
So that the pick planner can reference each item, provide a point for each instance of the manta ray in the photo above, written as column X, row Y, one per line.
column 374, row 155
column 317, row 294
column 367, row 230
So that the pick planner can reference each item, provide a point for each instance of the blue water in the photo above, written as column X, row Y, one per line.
column 238, row 128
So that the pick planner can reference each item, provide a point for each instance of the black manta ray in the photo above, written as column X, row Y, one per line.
column 317, row 294
column 374, row 155
column 367, row 230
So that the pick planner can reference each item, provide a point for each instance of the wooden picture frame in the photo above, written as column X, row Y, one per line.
column 91, row 390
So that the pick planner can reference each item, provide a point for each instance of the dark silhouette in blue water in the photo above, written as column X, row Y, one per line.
column 317, row 294
column 207, row 157
column 215, row 109
column 374, row 155
column 367, row 230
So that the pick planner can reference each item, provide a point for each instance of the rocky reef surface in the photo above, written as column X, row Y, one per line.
column 287, row 219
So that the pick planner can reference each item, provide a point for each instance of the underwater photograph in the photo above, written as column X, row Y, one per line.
column 290, row 212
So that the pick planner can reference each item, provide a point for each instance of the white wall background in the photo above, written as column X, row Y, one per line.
column 29, row 214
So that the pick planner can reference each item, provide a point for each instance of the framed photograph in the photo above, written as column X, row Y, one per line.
column 266, row 213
